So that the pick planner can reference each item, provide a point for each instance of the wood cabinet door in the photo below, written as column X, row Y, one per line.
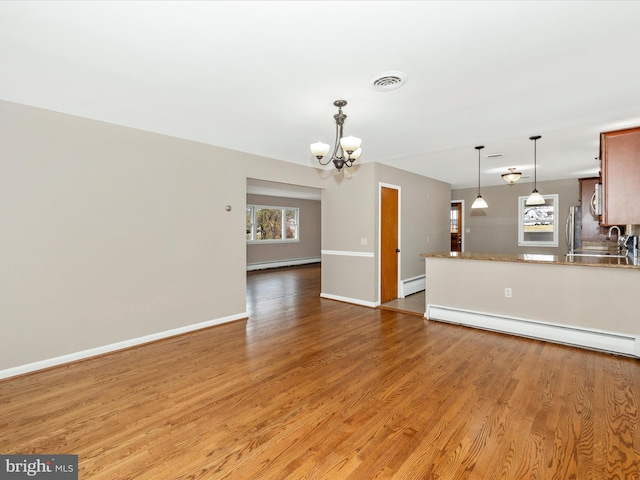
column 621, row 176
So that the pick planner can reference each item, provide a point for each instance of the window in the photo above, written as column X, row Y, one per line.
column 538, row 224
column 272, row 224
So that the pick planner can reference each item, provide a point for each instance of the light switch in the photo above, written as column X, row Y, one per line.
column 363, row 241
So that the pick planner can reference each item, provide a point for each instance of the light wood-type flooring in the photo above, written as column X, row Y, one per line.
column 310, row 388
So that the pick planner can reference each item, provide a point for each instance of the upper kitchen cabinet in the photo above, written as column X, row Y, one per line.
column 620, row 155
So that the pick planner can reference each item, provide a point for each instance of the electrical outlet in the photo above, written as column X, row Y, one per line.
column 508, row 293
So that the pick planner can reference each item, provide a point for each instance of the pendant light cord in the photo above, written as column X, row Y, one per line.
column 478, row 172
column 535, row 161
column 479, row 147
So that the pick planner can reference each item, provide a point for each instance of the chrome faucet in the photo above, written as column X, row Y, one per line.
column 610, row 229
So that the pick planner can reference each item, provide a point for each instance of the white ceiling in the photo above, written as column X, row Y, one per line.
column 262, row 76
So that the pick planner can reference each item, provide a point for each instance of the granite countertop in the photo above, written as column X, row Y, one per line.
column 586, row 261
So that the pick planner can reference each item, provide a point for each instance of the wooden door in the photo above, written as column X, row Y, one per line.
column 456, row 226
column 389, row 247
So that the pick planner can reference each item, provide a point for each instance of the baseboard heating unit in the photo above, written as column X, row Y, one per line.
column 411, row 286
column 282, row 263
column 612, row 342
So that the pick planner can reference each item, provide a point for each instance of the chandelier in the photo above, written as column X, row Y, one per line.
column 346, row 149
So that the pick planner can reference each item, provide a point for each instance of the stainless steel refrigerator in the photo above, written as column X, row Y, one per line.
column 574, row 229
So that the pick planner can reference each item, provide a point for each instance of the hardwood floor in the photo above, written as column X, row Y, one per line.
column 314, row 388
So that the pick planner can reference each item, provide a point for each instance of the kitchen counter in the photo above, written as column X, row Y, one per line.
column 587, row 261
column 590, row 302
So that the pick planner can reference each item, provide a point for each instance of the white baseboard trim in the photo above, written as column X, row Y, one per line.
column 92, row 352
column 282, row 263
column 346, row 253
column 350, row 300
column 411, row 286
column 613, row 342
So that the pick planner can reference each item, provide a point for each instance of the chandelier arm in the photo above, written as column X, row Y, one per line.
column 337, row 144
column 325, row 163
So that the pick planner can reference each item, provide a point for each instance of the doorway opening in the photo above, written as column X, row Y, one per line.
column 297, row 239
column 457, row 228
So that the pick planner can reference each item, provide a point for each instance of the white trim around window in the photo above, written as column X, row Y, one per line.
column 289, row 225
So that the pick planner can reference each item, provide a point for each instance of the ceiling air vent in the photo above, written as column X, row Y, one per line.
column 386, row 81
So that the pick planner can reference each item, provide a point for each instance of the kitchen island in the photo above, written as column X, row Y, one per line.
column 592, row 302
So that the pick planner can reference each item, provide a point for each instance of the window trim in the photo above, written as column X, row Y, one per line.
column 283, row 209
column 556, row 216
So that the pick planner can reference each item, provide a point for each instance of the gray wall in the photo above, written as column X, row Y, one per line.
column 308, row 245
column 495, row 229
column 110, row 233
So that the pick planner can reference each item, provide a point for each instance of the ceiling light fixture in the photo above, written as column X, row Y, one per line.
column 346, row 150
column 479, row 201
column 535, row 198
column 511, row 177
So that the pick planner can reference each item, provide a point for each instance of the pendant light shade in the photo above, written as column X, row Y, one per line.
column 535, row 198
column 319, row 149
column 350, row 144
column 479, row 201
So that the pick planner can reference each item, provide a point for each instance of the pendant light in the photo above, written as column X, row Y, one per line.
column 479, row 201
column 535, row 198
